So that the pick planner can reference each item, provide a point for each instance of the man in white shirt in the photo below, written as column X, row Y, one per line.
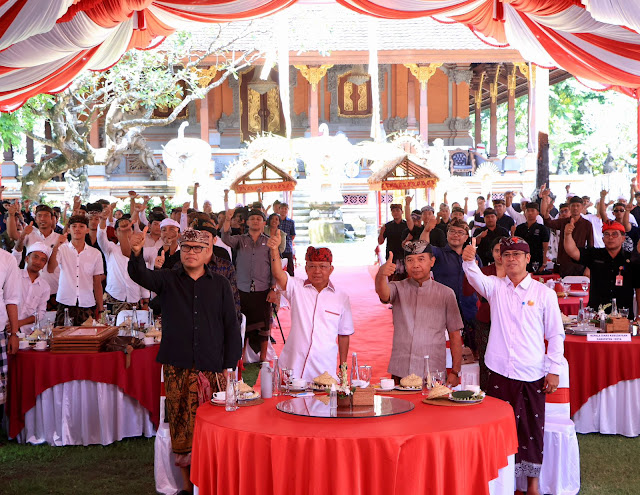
column 320, row 314
column 524, row 313
column 80, row 286
column 9, row 300
column 121, row 292
column 34, row 290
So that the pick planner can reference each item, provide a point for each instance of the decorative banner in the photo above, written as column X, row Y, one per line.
column 394, row 185
column 609, row 337
column 268, row 187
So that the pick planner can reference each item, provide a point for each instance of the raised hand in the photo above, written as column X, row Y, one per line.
column 132, row 194
column 469, row 252
column 408, row 199
column 28, row 229
column 570, row 227
column 389, row 268
column 159, row 262
column 62, row 238
column 137, row 240
column 185, row 206
column 274, row 240
column 482, row 234
column 603, row 193
column 229, row 215
column 544, row 192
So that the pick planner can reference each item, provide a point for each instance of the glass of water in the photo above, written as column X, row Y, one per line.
column 624, row 312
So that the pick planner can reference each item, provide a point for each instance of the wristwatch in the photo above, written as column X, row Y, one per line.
column 457, row 373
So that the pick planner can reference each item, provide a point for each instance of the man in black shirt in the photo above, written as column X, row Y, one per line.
column 444, row 217
column 436, row 236
column 536, row 235
column 503, row 220
column 200, row 337
column 614, row 273
column 487, row 234
column 392, row 232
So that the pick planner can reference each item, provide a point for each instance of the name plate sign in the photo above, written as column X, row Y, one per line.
column 609, row 337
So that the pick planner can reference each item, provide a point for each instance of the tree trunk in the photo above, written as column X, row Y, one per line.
column 542, row 174
column 43, row 172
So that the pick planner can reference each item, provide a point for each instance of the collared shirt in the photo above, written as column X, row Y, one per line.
column 520, row 218
column 506, row 222
column 582, row 235
column 34, row 299
column 288, row 226
column 604, row 270
column 199, row 321
column 535, row 236
column 253, row 261
column 436, row 237
column 317, row 318
column 77, row 270
column 596, row 224
column 421, row 314
column 88, row 242
column 9, row 285
column 522, row 318
column 447, row 270
column 393, row 234
column 484, row 246
column 119, row 283
column 150, row 243
column 51, row 240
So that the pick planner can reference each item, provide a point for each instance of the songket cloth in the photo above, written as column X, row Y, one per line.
column 528, row 402
column 116, row 305
column 185, row 390
column 77, row 314
column 257, row 310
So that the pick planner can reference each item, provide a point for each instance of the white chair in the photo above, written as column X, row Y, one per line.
column 560, row 474
column 141, row 314
column 167, row 474
column 575, row 279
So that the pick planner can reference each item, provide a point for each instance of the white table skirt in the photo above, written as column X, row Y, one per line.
column 82, row 412
column 612, row 411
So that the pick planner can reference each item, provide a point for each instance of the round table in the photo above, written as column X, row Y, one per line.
column 432, row 449
column 570, row 305
column 604, row 385
column 76, row 388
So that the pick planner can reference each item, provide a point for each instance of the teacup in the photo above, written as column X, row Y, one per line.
column 219, row 396
column 149, row 341
column 23, row 344
column 41, row 345
column 387, row 383
column 298, row 383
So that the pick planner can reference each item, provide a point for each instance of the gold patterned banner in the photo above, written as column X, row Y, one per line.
column 394, row 185
column 268, row 187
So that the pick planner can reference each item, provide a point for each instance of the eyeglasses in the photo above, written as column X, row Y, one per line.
column 611, row 234
column 196, row 249
column 457, row 233
column 318, row 267
column 512, row 256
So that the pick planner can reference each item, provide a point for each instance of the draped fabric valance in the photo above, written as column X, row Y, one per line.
column 45, row 44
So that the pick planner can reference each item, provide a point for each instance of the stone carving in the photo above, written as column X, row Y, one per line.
column 77, row 181
column 585, row 166
column 458, row 124
column 457, row 75
column 394, row 124
column 609, row 165
column 563, row 166
column 232, row 121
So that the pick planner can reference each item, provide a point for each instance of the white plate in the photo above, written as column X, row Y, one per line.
column 466, row 401
column 407, row 389
column 219, row 402
column 385, row 389
column 578, row 293
column 295, row 390
column 255, row 396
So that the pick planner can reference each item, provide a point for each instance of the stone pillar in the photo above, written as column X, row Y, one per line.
column 411, row 106
column 476, row 87
column 8, row 155
column 423, row 73
column 529, row 70
column 31, row 157
column 493, row 74
column 313, row 74
column 204, row 118
column 541, row 103
column 511, row 111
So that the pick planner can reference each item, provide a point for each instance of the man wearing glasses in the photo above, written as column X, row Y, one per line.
column 524, row 313
column 320, row 315
column 621, row 213
column 616, row 272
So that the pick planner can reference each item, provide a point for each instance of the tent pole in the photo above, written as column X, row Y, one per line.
column 638, row 139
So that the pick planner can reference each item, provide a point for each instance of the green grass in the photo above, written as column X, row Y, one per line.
column 608, row 466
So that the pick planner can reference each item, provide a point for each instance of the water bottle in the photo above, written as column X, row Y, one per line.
column 581, row 318
column 133, row 328
column 266, row 380
column 231, row 402
column 276, row 387
column 151, row 321
column 67, row 319
column 333, row 397
column 603, row 323
column 355, row 373
column 614, row 307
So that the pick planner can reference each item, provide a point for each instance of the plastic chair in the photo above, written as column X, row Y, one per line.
column 167, row 474
column 141, row 314
column 560, row 474
column 575, row 279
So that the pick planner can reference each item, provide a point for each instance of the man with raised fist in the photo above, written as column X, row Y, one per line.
column 422, row 309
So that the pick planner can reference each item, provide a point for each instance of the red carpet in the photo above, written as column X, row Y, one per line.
column 372, row 319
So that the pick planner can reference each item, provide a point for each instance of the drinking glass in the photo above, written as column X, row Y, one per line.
column 287, row 375
column 438, row 378
column 365, row 376
column 566, row 288
column 471, row 381
column 535, row 265
column 624, row 312
column 585, row 286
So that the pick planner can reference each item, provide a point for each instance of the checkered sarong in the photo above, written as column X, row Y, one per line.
column 4, row 366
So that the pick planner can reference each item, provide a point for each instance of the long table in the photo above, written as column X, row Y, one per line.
column 432, row 449
column 605, row 385
column 79, row 399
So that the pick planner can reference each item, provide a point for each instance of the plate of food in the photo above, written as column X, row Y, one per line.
column 323, row 382
column 467, row 397
column 248, row 396
column 410, row 383
column 439, row 391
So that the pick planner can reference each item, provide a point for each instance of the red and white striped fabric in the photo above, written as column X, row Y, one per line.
column 44, row 45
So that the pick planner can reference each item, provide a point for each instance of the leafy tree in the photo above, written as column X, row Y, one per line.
column 124, row 97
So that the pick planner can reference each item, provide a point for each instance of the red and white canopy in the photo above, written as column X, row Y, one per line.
column 45, row 44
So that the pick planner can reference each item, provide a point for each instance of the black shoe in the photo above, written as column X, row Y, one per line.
column 273, row 341
column 184, row 492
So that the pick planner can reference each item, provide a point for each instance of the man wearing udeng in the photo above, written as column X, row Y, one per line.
column 422, row 310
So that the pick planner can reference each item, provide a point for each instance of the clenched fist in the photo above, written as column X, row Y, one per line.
column 389, row 268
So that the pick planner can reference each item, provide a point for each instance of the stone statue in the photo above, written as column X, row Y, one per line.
column 585, row 166
column 609, row 165
column 563, row 166
column 77, row 180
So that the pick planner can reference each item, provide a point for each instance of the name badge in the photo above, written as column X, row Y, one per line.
column 618, row 280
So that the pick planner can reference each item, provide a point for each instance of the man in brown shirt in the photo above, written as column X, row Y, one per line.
column 422, row 310
column 582, row 233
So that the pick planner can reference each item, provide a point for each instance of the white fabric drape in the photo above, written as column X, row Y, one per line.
column 612, row 411
column 504, row 483
column 34, row 18
column 82, row 412
column 623, row 12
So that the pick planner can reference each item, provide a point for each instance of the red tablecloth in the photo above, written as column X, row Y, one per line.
column 552, row 276
column 594, row 366
column 432, row 449
column 32, row 372
column 570, row 305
